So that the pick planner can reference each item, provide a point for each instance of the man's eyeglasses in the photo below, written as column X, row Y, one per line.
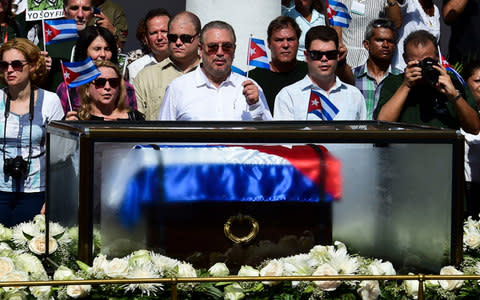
column 226, row 48
column 184, row 38
column 101, row 82
column 17, row 65
column 318, row 55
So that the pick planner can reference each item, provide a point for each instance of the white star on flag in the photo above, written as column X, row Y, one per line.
column 314, row 102
column 49, row 32
column 66, row 75
column 252, row 51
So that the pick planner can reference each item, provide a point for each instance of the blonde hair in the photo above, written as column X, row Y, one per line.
column 32, row 56
column 87, row 100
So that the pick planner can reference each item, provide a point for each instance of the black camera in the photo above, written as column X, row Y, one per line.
column 429, row 73
column 16, row 167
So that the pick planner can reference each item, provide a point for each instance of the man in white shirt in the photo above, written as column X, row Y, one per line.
column 320, row 95
column 213, row 91
column 155, row 26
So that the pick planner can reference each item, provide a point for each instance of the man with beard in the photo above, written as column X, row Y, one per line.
column 380, row 43
column 213, row 91
column 426, row 95
column 306, row 99
column 151, row 82
column 155, row 28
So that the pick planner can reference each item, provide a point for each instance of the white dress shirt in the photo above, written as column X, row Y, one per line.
column 194, row 97
column 292, row 101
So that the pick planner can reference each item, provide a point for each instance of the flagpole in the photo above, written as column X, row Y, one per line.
column 66, row 86
column 43, row 34
column 248, row 53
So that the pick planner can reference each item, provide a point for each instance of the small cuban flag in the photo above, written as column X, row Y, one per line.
column 338, row 14
column 257, row 54
column 321, row 107
column 79, row 73
column 449, row 68
column 57, row 31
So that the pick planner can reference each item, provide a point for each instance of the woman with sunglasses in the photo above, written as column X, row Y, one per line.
column 103, row 99
column 25, row 110
column 99, row 44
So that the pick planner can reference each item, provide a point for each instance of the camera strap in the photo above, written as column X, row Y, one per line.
column 30, row 118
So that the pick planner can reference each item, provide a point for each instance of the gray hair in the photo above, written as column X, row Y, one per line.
column 378, row 23
column 217, row 25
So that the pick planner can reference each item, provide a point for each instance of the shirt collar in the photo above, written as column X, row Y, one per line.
column 202, row 80
column 307, row 84
column 363, row 71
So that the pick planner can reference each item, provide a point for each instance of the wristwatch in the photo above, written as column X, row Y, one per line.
column 454, row 99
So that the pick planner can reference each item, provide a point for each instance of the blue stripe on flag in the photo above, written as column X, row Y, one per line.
column 259, row 64
column 238, row 71
column 87, row 69
column 317, row 113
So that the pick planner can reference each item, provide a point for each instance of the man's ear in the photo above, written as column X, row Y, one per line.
column 366, row 44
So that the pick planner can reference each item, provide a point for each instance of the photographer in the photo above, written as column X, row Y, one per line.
column 25, row 111
column 426, row 94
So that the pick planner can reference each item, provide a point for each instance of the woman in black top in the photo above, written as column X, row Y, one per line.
column 104, row 97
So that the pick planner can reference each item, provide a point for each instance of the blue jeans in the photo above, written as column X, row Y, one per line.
column 17, row 207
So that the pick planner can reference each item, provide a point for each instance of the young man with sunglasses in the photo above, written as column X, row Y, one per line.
column 151, row 82
column 305, row 99
column 213, row 91
column 369, row 77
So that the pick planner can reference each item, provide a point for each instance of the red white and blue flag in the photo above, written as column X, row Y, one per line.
column 78, row 73
column 320, row 107
column 449, row 68
column 225, row 173
column 257, row 54
column 57, row 31
column 338, row 14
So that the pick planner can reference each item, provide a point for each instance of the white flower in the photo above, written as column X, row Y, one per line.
column 6, row 233
column 326, row 269
column 15, row 295
column 139, row 257
column 342, row 262
column 38, row 245
column 219, row 270
column 450, row 285
column 164, row 263
column 6, row 266
column 41, row 292
column 273, row 268
column 98, row 265
column 31, row 264
column 300, row 265
column 233, row 292
column 321, row 253
column 116, row 268
column 369, row 289
column 411, row 287
column 377, row 267
column 145, row 270
column 63, row 273
column 14, row 276
column 22, row 230
column 186, row 270
column 78, row 291
column 248, row 271
column 471, row 238
column 39, row 221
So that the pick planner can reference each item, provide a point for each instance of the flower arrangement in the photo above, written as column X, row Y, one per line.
column 21, row 260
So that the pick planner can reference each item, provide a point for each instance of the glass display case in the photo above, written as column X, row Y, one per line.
column 388, row 190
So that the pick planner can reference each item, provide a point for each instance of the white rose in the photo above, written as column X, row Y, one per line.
column 63, row 273
column 273, row 268
column 369, row 290
column 140, row 257
column 411, row 287
column 233, row 292
column 78, row 291
column 219, row 270
column 14, row 276
column 99, row 264
column 39, row 220
column 450, row 284
column 30, row 264
column 38, row 246
column 116, row 268
column 16, row 295
column 326, row 269
column 248, row 271
column 4, row 246
column 41, row 292
column 6, row 233
column 6, row 266
column 186, row 270
column 471, row 238
column 377, row 267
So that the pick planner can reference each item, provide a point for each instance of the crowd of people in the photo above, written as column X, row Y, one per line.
column 385, row 66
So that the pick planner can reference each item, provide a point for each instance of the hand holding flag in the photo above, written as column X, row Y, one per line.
column 321, row 107
column 338, row 14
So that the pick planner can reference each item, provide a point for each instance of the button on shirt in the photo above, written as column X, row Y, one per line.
column 194, row 97
column 292, row 101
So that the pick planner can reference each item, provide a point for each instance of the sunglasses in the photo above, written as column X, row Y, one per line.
column 383, row 23
column 226, row 48
column 184, row 38
column 318, row 55
column 17, row 65
column 101, row 82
